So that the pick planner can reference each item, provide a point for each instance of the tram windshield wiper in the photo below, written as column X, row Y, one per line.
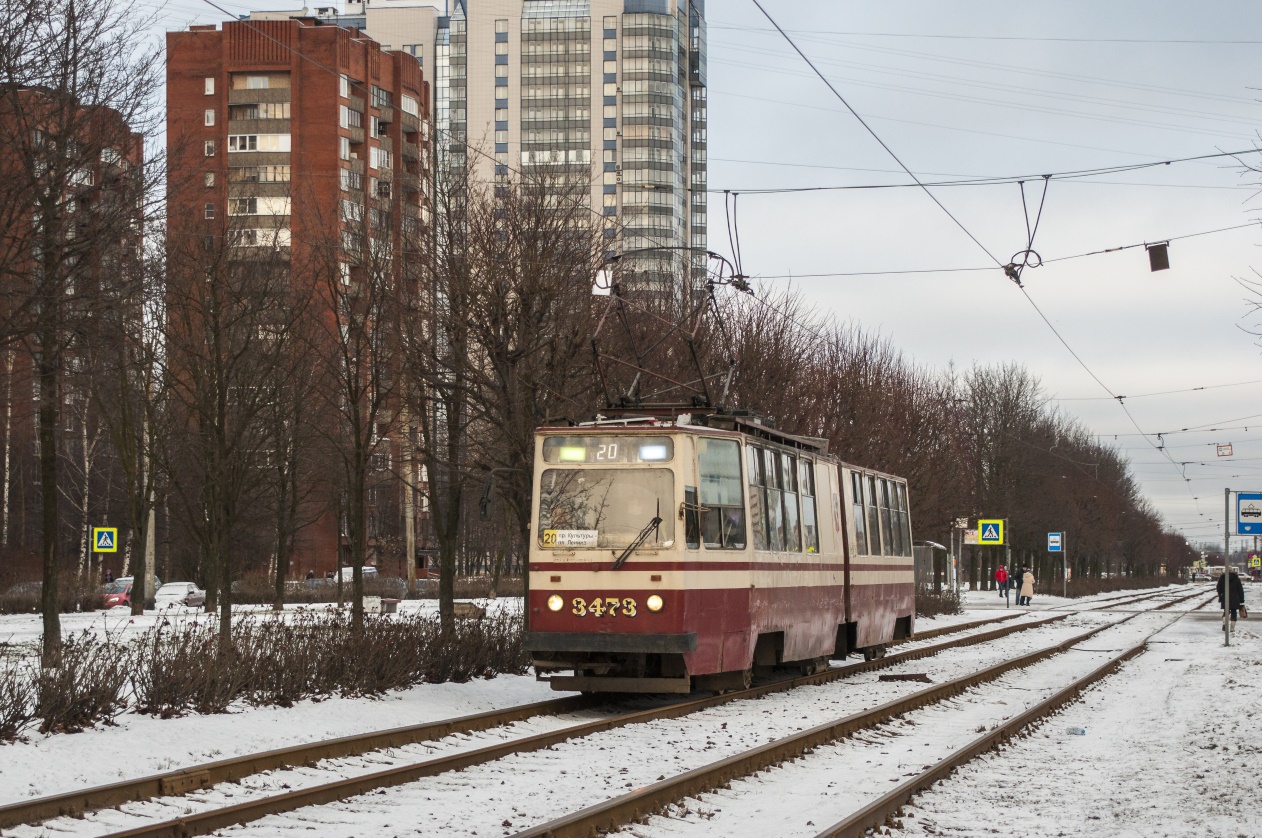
column 650, row 527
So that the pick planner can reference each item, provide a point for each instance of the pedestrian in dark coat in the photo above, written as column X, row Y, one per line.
column 1237, row 593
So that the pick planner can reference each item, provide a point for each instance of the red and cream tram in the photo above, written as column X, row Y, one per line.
column 688, row 553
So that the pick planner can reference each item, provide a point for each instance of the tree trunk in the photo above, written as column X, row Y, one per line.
column 9, row 358
column 48, row 414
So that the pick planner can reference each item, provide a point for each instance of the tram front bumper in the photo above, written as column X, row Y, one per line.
column 650, row 644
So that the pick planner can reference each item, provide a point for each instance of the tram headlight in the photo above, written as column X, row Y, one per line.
column 555, row 603
column 654, row 602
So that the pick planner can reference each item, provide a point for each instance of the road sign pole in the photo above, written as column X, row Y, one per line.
column 1064, row 567
column 1226, row 577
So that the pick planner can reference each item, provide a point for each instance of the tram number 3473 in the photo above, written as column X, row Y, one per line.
column 610, row 606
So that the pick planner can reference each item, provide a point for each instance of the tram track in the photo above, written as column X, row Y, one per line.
column 192, row 779
column 76, row 804
column 615, row 813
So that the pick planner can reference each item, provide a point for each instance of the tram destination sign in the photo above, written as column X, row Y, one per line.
column 1249, row 513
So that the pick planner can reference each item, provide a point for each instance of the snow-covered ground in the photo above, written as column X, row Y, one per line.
column 1162, row 719
column 23, row 631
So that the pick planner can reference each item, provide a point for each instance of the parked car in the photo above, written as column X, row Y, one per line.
column 180, row 593
column 118, row 592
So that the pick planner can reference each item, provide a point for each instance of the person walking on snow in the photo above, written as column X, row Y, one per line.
column 1027, row 587
column 1237, row 594
column 1001, row 579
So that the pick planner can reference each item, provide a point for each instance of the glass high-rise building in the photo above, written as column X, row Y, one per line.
column 616, row 88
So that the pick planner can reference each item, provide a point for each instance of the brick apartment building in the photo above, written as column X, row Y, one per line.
column 70, row 208
column 299, row 133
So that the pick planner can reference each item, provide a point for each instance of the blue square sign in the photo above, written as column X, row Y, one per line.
column 1249, row 513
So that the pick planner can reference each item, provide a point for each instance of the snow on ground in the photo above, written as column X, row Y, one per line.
column 518, row 791
column 24, row 630
column 138, row 746
column 1028, row 797
column 1169, row 751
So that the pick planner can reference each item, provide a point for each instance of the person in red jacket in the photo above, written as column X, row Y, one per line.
column 1001, row 579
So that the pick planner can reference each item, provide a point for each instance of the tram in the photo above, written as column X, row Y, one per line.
column 693, row 552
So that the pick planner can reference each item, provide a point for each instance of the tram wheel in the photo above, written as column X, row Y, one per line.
column 874, row 652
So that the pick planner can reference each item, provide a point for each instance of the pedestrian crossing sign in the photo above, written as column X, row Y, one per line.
column 990, row 532
column 105, row 539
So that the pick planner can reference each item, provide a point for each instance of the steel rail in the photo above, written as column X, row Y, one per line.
column 210, row 820
column 181, row 781
column 886, row 807
column 617, row 812
column 184, row 780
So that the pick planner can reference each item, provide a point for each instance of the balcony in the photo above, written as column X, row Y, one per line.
column 385, row 114
column 258, row 126
column 411, row 151
column 411, row 182
column 258, row 96
column 356, row 134
column 411, row 124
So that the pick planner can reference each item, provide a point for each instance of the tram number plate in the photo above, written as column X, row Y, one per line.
column 610, row 606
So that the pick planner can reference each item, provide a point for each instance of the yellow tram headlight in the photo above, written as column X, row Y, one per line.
column 654, row 602
column 555, row 603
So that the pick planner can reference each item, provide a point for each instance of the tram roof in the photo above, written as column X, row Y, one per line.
column 750, row 425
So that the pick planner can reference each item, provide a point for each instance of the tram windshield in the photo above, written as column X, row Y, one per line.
column 605, row 508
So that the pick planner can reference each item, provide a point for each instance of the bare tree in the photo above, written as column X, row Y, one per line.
column 76, row 87
column 229, row 339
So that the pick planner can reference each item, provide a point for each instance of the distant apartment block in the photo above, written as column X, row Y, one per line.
column 617, row 87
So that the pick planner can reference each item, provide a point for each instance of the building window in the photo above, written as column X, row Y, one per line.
column 345, row 148
column 501, row 71
column 350, row 118
column 210, row 178
column 611, row 178
column 611, row 22
column 209, row 118
column 501, row 136
column 611, row 66
column 210, row 210
column 611, row 133
column 410, row 105
column 611, row 88
column 501, row 49
column 210, row 86
column 501, row 25
column 210, row 148
column 243, row 206
column 343, row 87
column 501, row 114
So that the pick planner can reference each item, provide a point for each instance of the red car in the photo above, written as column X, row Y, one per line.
column 118, row 592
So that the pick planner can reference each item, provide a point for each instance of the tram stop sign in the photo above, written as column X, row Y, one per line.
column 1054, row 542
column 1249, row 513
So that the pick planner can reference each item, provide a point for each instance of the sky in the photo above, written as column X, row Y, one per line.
column 982, row 88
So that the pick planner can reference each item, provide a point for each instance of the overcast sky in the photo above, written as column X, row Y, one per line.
column 978, row 89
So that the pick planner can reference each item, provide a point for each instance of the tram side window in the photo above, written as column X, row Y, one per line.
column 692, row 519
column 757, row 520
column 874, row 517
column 888, row 543
column 773, row 500
column 857, row 514
column 806, row 484
column 904, row 517
column 722, row 507
column 792, row 524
